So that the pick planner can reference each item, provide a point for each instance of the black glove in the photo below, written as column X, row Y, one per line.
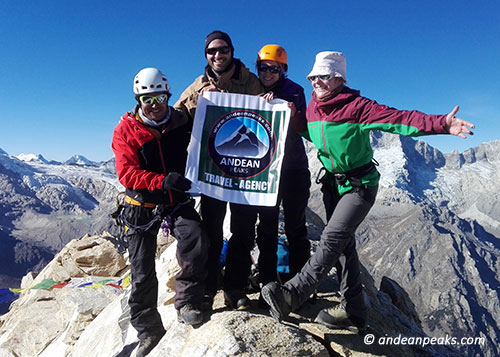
column 175, row 181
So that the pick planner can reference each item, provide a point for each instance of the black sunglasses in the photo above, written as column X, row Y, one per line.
column 224, row 50
column 271, row 69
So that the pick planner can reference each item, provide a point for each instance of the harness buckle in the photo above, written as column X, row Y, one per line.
column 340, row 179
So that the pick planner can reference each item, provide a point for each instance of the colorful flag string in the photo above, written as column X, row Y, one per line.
column 10, row 294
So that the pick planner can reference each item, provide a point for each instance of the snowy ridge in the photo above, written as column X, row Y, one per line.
column 32, row 157
column 35, row 171
column 434, row 228
column 234, row 134
column 80, row 160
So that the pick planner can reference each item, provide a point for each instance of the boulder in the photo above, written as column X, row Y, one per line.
column 87, row 256
column 41, row 316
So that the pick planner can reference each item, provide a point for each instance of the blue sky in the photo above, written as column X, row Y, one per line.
column 67, row 66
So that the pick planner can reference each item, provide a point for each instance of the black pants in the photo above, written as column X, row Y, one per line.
column 213, row 212
column 294, row 193
column 337, row 247
column 238, row 260
column 192, row 246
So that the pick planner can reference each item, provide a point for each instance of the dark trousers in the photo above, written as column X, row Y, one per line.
column 213, row 212
column 337, row 247
column 238, row 260
column 294, row 196
column 189, row 285
column 192, row 256
column 294, row 193
column 267, row 241
column 143, row 298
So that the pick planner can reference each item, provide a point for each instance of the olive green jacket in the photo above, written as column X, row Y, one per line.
column 238, row 79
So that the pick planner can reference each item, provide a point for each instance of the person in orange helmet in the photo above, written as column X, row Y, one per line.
column 272, row 65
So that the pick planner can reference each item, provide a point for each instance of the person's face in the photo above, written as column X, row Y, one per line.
column 154, row 105
column 323, row 88
column 218, row 55
column 269, row 72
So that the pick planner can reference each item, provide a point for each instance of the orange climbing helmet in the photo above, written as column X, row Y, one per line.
column 273, row 53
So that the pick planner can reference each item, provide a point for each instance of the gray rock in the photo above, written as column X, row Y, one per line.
column 95, row 322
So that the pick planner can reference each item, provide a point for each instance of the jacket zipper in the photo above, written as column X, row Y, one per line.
column 164, row 168
column 324, row 140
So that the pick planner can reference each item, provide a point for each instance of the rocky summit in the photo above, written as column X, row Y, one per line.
column 430, row 252
column 89, row 316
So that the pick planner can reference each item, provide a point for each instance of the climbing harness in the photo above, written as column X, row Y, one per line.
column 161, row 213
column 354, row 176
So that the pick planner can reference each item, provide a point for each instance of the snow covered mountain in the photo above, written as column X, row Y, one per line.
column 44, row 205
column 32, row 158
column 80, row 160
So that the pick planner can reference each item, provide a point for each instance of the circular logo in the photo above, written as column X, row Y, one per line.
column 241, row 144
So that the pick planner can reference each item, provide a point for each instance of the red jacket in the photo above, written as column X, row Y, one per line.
column 145, row 155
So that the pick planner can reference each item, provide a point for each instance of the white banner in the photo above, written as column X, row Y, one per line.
column 237, row 146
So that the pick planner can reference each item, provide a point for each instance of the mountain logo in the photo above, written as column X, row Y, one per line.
column 241, row 144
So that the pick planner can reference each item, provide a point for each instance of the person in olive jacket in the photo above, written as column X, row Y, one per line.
column 223, row 73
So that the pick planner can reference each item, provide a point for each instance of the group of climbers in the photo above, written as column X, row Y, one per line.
column 150, row 144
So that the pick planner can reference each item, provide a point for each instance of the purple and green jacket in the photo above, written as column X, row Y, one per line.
column 340, row 130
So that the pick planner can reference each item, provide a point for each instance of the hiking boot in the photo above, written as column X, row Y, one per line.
column 189, row 315
column 279, row 300
column 147, row 344
column 207, row 303
column 236, row 299
column 338, row 318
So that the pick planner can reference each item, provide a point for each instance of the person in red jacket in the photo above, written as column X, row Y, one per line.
column 150, row 147
column 339, row 121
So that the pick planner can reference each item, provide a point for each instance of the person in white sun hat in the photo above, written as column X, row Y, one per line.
column 339, row 121
column 329, row 63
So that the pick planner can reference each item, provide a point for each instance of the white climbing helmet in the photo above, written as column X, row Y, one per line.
column 150, row 80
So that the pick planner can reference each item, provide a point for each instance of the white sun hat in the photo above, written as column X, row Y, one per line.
column 329, row 62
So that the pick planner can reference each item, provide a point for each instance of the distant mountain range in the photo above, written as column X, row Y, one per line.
column 434, row 229
column 74, row 160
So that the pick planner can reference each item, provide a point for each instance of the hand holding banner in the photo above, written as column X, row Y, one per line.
column 237, row 146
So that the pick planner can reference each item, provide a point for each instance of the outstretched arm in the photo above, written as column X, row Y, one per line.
column 457, row 126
